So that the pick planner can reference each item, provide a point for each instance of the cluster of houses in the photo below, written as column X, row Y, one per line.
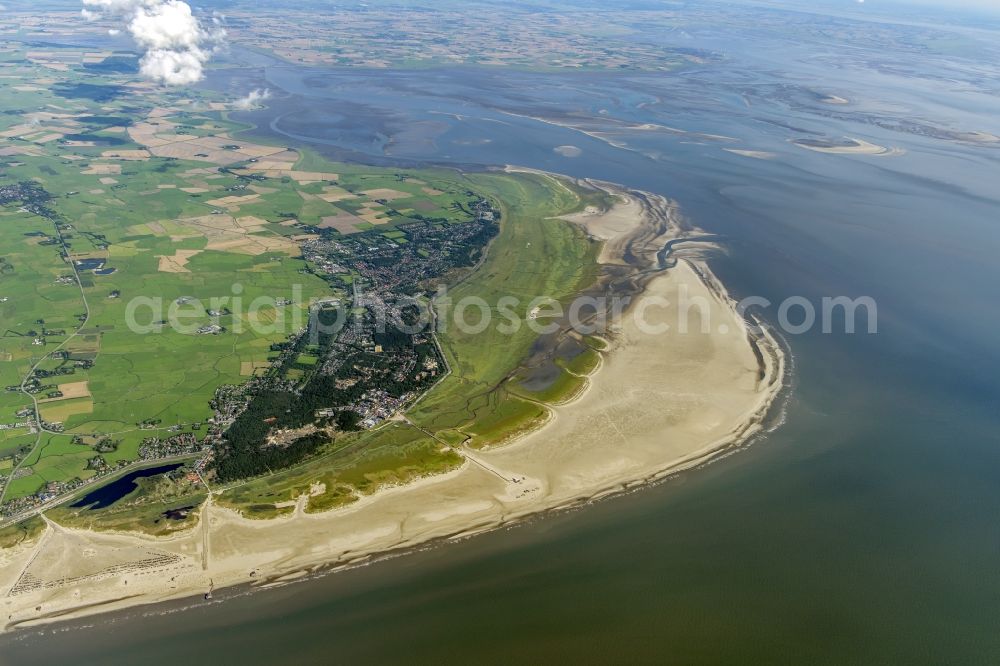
column 154, row 448
column 376, row 405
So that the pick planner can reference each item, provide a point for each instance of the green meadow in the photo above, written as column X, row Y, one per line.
column 534, row 256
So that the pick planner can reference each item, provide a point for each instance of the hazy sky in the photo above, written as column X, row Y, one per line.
column 979, row 4
column 993, row 5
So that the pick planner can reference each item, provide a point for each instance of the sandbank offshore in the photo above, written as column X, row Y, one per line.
column 658, row 403
column 849, row 146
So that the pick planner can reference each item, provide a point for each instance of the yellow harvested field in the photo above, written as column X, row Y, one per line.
column 373, row 217
column 430, row 191
column 386, row 194
column 75, row 390
column 311, row 176
column 235, row 201
column 253, row 245
column 153, row 140
column 251, row 222
column 146, row 132
column 18, row 130
column 200, row 171
column 195, row 190
column 271, row 165
column 273, row 244
column 248, row 368
column 226, row 234
column 258, row 151
column 158, row 135
column 188, row 151
column 137, row 155
column 333, row 194
column 60, row 410
column 103, row 170
column 70, row 391
column 285, row 156
column 267, row 173
column 108, row 181
column 8, row 151
column 373, row 213
column 177, row 263
column 344, row 222
column 204, row 225
column 221, row 142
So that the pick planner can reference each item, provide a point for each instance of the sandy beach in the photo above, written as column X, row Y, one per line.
column 661, row 401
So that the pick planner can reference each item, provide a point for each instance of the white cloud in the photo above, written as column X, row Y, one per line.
column 170, row 25
column 176, row 68
column 177, row 45
column 252, row 99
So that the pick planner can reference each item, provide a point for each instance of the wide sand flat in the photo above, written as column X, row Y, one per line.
column 661, row 401
column 755, row 154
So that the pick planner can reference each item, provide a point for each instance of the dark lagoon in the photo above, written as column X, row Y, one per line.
column 107, row 495
column 866, row 529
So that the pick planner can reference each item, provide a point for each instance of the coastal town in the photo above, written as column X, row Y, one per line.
column 360, row 361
